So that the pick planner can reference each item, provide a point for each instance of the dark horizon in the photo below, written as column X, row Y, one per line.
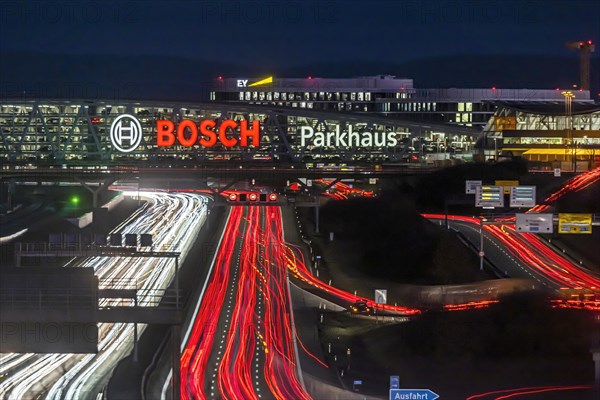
column 259, row 32
column 183, row 45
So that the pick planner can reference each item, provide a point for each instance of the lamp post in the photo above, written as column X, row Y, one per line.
column 569, row 96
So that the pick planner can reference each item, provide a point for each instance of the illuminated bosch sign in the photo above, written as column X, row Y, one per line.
column 207, row 133
column 336, row 138
column 125, row 133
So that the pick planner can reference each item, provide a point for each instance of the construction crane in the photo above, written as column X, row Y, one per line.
column 585, row 48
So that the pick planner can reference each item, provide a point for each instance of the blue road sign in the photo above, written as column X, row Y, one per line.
column 394, row 382
column 412, row 394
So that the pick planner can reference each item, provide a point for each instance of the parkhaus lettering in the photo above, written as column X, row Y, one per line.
column 207, row 134
column 349, row 139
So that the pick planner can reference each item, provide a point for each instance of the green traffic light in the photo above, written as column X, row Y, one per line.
column 75, row 200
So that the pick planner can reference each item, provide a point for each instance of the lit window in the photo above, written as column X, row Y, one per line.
column 284, row 96
column 368, row 96
column 360, row 96
column 241, row 95
column 254, row 95
column 469, row 107
column 269, row 96
column 353, row 96
column 306, row 96
column 247, row 95
column 461, row 107
column 276, row 96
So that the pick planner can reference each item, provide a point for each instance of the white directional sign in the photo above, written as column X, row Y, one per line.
column 381, row 296
column 489, row 196
column 471, row 186
column 535, row 223
column 522, row 196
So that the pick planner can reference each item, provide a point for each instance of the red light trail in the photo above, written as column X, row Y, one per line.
column 260, row 321
column 512, row 393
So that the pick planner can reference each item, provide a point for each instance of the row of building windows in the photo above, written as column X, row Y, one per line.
column 306, row 96
column 550, row 140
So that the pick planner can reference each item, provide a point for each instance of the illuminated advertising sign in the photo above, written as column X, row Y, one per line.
column 242, row 83
column 308, row 137
column 126, row 133
column 206, row 133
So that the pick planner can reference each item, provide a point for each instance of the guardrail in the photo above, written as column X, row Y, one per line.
column 80, row 298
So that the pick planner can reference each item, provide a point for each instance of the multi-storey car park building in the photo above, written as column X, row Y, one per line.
column 363, row 120
column 104, row 132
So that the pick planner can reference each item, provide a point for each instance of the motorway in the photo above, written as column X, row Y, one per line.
column 241, row 344
column 174, row 219
column 526, row 254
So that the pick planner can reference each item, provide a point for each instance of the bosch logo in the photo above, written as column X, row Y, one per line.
column 126, row 133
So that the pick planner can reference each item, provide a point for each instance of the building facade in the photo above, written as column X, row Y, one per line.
column 546, row 133
column 163, row 133
column 383, row 95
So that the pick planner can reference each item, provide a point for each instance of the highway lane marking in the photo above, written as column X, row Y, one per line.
column 510, row 256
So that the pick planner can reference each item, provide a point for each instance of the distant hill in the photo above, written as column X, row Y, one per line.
column 41, row 75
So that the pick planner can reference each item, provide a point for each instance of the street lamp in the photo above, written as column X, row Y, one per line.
column 569, row 96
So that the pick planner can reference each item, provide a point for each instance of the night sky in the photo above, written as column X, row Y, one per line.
column 173, row 49
column 296, row 32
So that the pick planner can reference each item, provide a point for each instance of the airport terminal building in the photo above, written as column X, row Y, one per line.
column 383, row 95
column 547, row 133
column 531, row 123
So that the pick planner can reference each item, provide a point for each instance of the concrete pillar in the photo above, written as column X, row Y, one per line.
column 317, row 218
column 176, row 361
column 17, row 254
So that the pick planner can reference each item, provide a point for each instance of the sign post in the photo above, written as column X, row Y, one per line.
column 575, row 223
column 522, row 196
column 421, row 394
column 471, row 186
column 534, row 223
column 489, row 196
column 381, row 296
column 506, row 185
column 394, row 382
